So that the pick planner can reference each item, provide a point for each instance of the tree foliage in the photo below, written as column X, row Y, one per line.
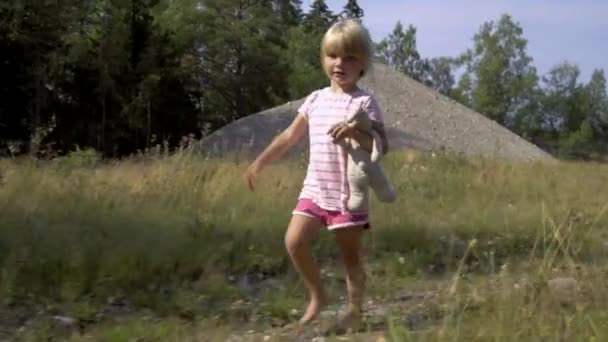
column 499, row 80
column 399, row 51
column 352, row 10
column 123, row 75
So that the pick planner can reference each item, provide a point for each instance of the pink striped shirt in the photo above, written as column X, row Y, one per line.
column 325, row 182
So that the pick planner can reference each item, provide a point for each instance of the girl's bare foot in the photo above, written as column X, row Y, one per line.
column 313, row 309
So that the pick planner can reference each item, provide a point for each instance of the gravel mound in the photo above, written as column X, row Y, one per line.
column 416, row 117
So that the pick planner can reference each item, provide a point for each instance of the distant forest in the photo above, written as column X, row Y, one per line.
column 123, row 76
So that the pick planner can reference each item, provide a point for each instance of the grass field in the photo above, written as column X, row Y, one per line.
column 176, row 248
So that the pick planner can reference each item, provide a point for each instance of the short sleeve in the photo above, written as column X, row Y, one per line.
column 306, row 106
column 372, row 108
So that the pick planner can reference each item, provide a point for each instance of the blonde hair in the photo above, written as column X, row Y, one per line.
column 348, row 37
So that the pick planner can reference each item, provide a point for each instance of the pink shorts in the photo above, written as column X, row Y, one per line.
column 330, row 218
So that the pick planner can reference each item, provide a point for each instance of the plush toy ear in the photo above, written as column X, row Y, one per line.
column 362, row 121
column 358, row 115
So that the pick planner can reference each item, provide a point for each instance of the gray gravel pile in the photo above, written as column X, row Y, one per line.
column 416, row 116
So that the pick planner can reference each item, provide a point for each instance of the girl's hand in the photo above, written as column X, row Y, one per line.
column 340, row 131
column 251, row 174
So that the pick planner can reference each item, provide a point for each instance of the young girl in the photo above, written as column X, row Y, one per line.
column 345, row 57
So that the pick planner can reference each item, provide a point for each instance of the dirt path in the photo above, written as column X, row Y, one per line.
column 413, row 310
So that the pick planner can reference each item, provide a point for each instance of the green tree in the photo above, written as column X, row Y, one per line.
column 462, row 92
column 499, row 80
column 440, row 74
column 182, row 20
column 598, row 103
column 115, row 74
column 127, row 60
column 31, row 44
column 399, row 52
column 352, row 10
column 564, row 102
column 319, row 17
column 240, row 70
column 303, row 58
column 289, row 10
column 568, row 108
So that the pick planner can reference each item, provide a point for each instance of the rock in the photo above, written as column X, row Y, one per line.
column 563, row 289
column 275, row 284
column 328, row 314
column 66, row 322
column 116, row 301
column 245, row 283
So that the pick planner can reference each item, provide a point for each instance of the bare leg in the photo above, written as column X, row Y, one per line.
column 301, row 231
column 349, row 243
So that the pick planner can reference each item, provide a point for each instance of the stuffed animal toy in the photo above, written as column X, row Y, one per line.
column 363, row 169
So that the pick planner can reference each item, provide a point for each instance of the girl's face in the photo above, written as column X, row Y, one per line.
column 342, row 69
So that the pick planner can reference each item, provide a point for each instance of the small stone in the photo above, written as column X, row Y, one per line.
column 66, row 322
column 328, row 314
column 381, row 312
column 266, row 338
column 116, row 301
column 272, row 283
column 563, row 289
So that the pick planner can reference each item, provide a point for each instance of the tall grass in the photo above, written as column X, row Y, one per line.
column 557, row 297
column 76, row 227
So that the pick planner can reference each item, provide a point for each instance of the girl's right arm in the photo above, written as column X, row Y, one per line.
column 281, row 144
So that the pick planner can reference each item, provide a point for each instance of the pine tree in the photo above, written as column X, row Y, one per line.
column 352, row 10
column 399, row 51
column 289, row 10
column 319, row 18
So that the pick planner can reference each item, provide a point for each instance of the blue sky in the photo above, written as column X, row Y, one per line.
column 556, row 30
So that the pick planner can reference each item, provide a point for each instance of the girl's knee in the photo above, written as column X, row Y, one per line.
column 300, row 232
column 292, row 242
column 295, row 241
